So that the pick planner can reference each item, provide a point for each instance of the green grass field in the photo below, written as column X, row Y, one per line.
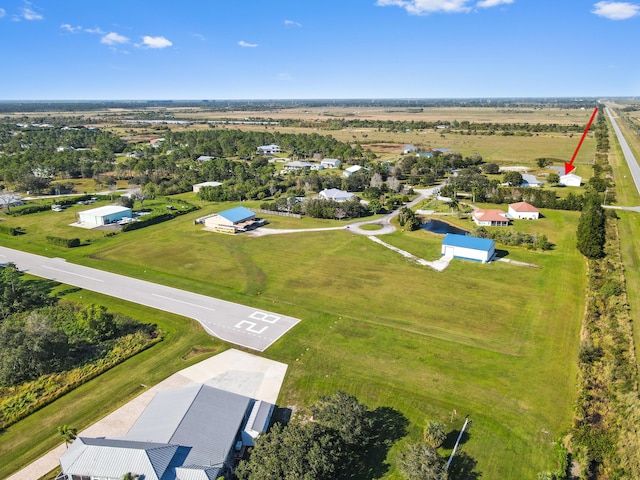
column 496, row 341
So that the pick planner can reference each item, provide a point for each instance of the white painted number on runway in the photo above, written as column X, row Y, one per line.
column 260, row 317
column 264, row 317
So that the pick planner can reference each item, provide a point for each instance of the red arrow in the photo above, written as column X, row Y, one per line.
column 569, row 167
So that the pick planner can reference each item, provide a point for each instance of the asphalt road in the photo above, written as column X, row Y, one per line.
column 628, row 154
column 232, row 322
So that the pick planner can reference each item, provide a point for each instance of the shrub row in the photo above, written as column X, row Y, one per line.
column 163, row 217
column 63, row 242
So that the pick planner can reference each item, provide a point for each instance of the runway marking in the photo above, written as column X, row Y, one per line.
column 251, row 327
column 182, row 301
column 264, row 317
column 71, row 273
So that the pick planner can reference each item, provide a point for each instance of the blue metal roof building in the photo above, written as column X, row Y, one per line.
column 237, row 214
column 469, row 248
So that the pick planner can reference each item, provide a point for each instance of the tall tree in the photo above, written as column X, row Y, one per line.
column 420, row 461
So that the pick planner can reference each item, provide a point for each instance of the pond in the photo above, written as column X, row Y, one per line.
column 438, row 226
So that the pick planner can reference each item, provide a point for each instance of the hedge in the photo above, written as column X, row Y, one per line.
column 163, row 217
column 63, row 242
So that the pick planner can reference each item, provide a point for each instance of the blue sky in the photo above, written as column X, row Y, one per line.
column 276, row 49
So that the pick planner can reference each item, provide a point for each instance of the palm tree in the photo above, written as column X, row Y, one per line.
column 68, row 434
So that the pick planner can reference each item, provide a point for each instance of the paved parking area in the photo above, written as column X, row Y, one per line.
column 238, row 324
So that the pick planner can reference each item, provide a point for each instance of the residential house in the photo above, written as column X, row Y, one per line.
column 529, row 180
column 269, row 149
column 336, row 195
column 187, row 433
column 330, row 163
column 297, row 165
column 234, row 220
column 490, row 218
column 198, row 186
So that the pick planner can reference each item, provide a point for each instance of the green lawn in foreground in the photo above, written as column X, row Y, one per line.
column 496, row 341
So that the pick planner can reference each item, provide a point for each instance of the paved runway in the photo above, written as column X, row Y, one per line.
column 628, row 154
column 232, row 322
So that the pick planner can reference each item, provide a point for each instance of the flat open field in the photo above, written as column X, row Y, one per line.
column 497, row 341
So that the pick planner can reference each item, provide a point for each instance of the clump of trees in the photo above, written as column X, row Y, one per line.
column 408, row 219
column 591, row 228
column 511, row 237
column 333, row 443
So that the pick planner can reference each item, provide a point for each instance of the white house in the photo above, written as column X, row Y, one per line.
column 524, row 210
column 409, row 149
column 269, row 149
column 330, row 163
column 336, row 195
column 468, row 248
column 198, row 186
column 490, row 218
column 570, row 180
column 104, row 215
column 204, row 158
column 351, row 170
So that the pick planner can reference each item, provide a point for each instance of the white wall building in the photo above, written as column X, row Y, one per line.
column 104, row 215
column 468, row 248
column 570, row 180
column 523, row 210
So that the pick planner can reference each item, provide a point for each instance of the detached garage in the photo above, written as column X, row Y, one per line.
column 468, row 248
column 104, row 215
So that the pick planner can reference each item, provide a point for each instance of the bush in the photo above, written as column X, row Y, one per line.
column 63, row 242
column 13, row 231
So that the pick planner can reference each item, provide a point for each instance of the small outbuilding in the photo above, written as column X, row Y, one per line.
column 529, row 180
column 104, row 215
column 198, row 186
column 570, row 180
column 468, row 248
column 524, row 210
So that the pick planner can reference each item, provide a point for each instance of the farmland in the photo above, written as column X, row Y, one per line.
column 498, row 342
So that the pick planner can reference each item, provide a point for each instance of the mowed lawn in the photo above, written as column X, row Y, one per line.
column 497, row 342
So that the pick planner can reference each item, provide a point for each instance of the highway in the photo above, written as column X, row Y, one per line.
column 628, row 154
column 232, row 322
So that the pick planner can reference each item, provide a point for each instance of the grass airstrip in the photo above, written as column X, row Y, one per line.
column 498, row 342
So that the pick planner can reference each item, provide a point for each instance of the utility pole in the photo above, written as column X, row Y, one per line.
column 455, row 447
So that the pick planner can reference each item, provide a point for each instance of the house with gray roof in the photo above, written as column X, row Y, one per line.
column 189, row 433
column 336, row 195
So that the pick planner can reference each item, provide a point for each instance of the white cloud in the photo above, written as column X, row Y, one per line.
column 155, row 42
column 70, row 28
column 284, row 77
column 242, row 43
column 29, row 14
column 96, row 30
column 424, row 7
column 199, row 36
column 616, row 10
column 292, row 23
column 3, row 12
column 492, row 3
column 114, row 38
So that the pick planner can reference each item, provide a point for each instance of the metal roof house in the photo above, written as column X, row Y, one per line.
column 468, row 248
column 104, row 215
column 330, row 162
column 336, row 195
column 184, row 434
column 269, row 149
column 529, row 180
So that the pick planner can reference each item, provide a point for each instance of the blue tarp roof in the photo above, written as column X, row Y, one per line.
column 237, row 214
column 465, row 241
